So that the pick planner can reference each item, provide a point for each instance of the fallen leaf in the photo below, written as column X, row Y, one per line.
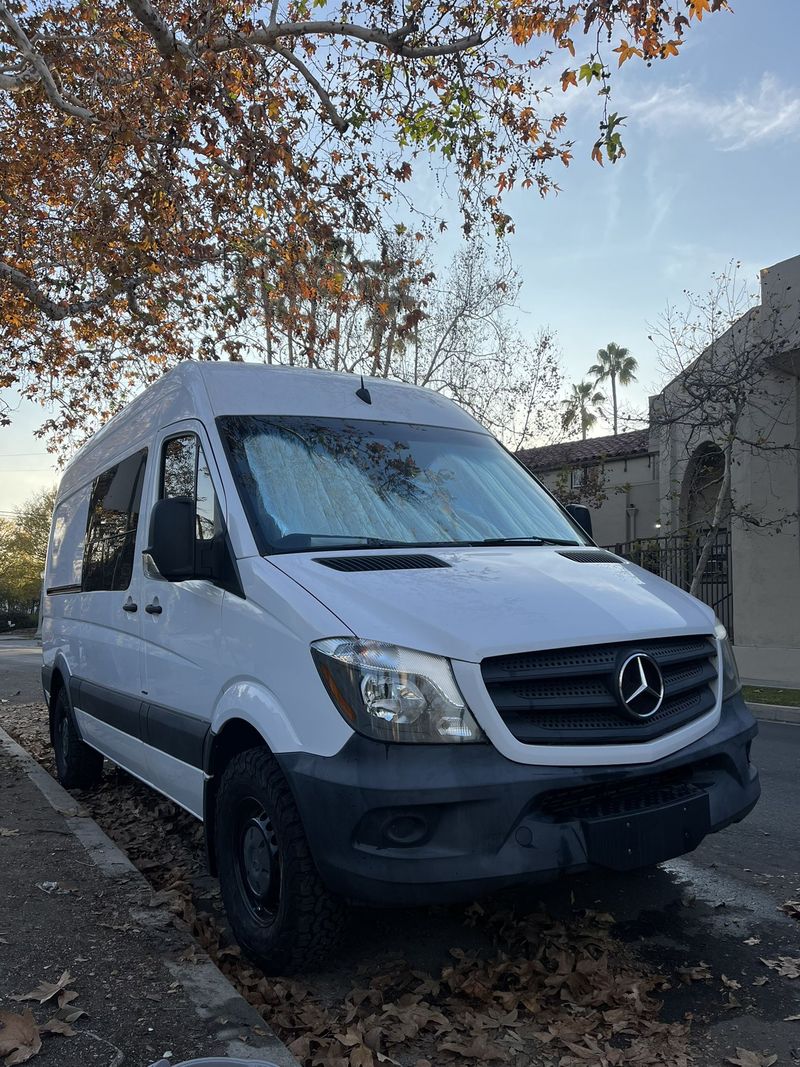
column 790, row 907
column 69, row 1015
column 752, row 941
column 700, row 973
column 8, row 833
column 745, row 1058
column 19, row 1037
column 362, row 1057
column 786, row 966
column 730, row 983
column 57, row 1026
column 47, row 990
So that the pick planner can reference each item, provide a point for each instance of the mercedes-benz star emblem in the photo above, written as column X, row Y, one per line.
column 641, row 686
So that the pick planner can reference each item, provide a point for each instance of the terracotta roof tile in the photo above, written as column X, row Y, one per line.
column 594, row 449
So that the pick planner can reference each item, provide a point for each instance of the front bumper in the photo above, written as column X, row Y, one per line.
column 409, row 824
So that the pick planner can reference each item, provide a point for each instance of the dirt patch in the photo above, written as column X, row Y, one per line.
column 532, row 989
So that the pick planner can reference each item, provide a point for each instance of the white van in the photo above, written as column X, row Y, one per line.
column 341, row 625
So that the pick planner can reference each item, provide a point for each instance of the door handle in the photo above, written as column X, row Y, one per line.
column 153, row 609
column 130, row 605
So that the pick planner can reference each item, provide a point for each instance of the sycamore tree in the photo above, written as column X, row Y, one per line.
column 169, row 168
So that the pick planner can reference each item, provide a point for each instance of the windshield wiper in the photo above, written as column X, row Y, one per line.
column 525, row 541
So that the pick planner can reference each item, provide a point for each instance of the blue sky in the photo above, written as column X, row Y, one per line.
column 712, row 174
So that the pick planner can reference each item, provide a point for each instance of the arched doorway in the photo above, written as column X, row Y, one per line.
column 701, row 487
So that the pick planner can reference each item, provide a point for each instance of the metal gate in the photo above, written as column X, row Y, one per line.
column 675, row 557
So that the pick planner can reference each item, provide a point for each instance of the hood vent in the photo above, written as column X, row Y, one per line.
column 591, row 555
column 382, row 563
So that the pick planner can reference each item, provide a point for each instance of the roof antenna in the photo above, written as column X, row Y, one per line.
column 363, row 392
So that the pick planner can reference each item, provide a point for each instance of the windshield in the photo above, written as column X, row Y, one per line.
column 311, row 483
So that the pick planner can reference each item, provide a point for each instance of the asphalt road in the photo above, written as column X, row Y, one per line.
column 703, row 907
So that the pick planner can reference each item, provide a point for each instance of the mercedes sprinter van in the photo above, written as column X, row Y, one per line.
column 342, row 625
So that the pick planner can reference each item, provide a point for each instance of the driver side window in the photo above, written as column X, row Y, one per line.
column 185, row 473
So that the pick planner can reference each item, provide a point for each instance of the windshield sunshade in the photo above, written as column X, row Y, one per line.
column 335, row 483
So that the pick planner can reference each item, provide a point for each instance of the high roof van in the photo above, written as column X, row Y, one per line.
column 340, row 624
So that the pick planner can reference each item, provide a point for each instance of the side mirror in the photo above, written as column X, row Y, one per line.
column 172, row 538
column 581, row 514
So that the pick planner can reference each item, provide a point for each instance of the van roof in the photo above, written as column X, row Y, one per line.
column 204, row 390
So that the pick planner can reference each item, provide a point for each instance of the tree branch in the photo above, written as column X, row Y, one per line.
column 340, row 123
column 165, row 39
column 393, row 42
column 43, row 72
column 12, row 82
column 56, row 311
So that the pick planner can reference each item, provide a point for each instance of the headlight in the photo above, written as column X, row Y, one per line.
column 394, row 694
column 730, row 674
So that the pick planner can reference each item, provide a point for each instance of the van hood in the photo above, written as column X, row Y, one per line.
column 495, row 600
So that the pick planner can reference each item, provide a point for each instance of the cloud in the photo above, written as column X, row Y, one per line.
column 768, row 112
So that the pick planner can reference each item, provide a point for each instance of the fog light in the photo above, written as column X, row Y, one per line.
column 406, row 830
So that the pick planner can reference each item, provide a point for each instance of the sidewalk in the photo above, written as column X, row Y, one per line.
column 71, row 901
column 775, row 713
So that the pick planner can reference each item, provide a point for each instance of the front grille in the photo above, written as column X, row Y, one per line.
column 569, row 696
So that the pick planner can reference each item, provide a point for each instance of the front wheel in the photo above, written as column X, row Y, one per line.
column 280, row 912
column 77, row 765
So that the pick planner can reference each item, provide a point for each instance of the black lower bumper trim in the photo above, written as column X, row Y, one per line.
column 407, row 824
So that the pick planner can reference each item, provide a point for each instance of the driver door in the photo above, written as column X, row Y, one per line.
column 182, row 627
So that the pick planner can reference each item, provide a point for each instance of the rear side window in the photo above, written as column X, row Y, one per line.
column 185, row 473
column 111, row 527
column 65, row 564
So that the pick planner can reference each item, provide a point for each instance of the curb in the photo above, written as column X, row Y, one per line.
column 210, row 992
column 775, row 713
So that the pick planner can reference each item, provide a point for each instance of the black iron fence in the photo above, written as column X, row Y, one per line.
column 675, row 558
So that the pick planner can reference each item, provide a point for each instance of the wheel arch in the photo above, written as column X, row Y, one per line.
column 235, row 736
column 59, row 679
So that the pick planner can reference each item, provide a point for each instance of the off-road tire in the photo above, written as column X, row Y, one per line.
column 306, row 922
column 77, row 765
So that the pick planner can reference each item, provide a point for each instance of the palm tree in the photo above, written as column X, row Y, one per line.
column 617, row 365
column 578, row 405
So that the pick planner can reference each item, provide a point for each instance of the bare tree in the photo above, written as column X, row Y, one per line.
column 395, row 316
column 727, row 400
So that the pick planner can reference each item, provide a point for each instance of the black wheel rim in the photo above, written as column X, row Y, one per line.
column 63, row 742
column 257, row 861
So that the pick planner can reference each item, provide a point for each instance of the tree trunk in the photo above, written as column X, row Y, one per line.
column 337, row 340
column 711, row 536
column 265, row 304
column 614, row 400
